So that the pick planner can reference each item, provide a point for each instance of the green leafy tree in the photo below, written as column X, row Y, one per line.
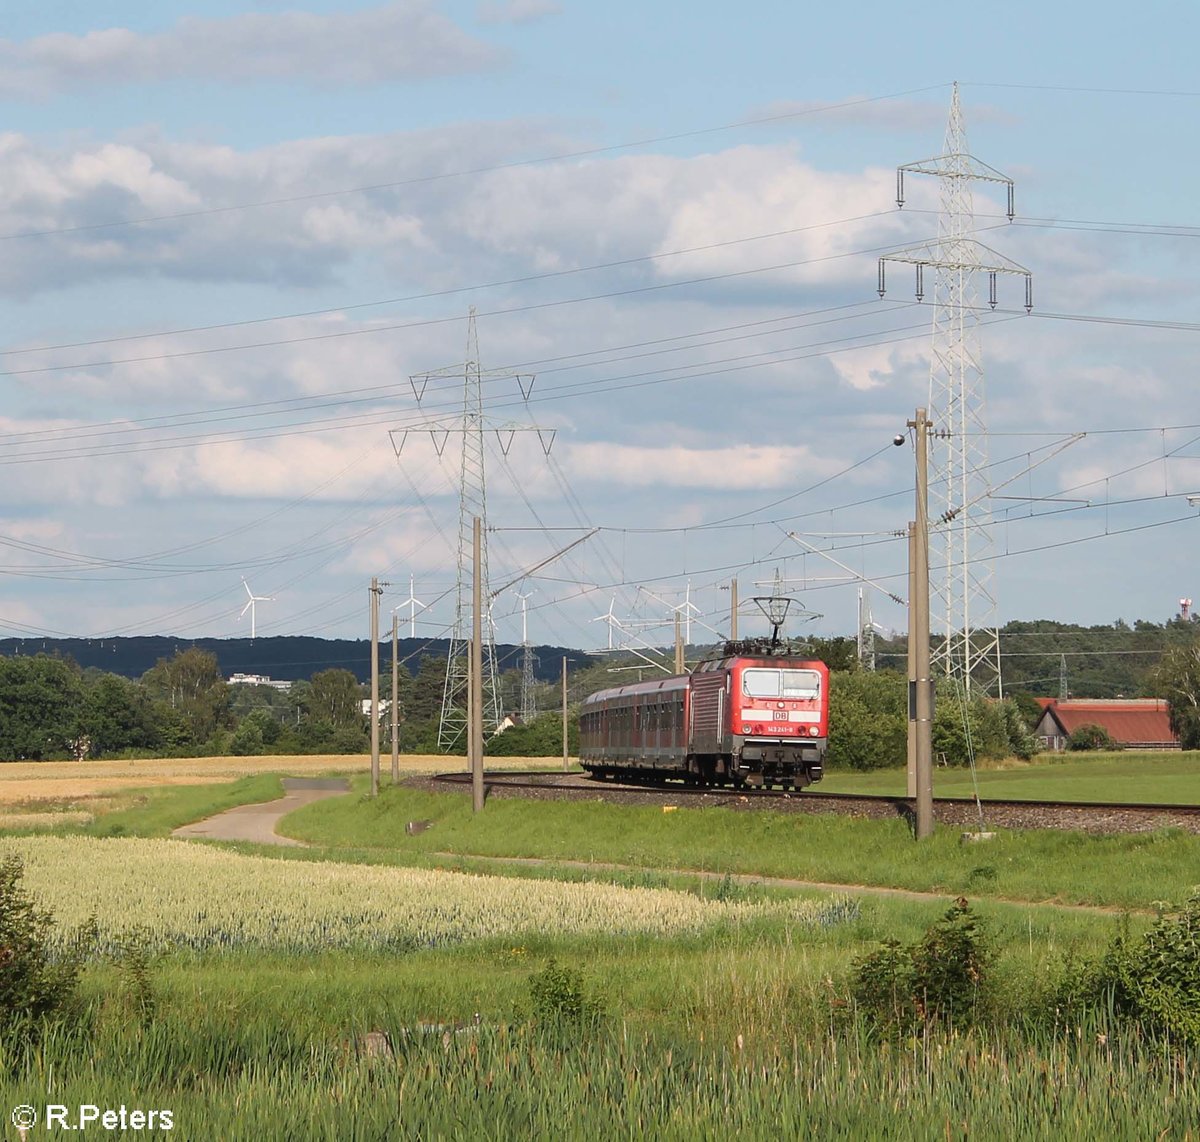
column 40, row 699
column 190, row 683
column 333, row 720
column 868, row 720
column 1177, row 679
column 425, row 695
column 837, row 653
column 335, row 697
column 118, row 714
column 540, row 738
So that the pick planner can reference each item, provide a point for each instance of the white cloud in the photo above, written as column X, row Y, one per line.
column 516, row 11
column 748, row 467
column 400, row 41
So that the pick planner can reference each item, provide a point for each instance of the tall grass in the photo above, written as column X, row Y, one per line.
column 516, row 1082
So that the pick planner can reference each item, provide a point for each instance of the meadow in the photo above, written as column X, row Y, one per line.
column 378, row 984
column 1131, row 776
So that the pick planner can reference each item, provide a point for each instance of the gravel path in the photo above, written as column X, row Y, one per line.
column 257, row 822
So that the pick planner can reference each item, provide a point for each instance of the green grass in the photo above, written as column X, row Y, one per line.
column 744, row 1031
column 259, row 1082
column 700, row 1039
column 1169, row 778
column 1131, row 871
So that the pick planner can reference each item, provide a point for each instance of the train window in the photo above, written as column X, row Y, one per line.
column 759, row 682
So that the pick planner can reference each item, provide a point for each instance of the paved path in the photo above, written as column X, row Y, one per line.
column 257, row 822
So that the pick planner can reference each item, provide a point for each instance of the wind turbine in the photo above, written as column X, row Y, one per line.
column 253, row 598
column 412, row 603
column 609, row 618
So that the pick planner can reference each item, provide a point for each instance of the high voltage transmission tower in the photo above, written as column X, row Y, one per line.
column 528, row 695
column 472, row 504
column 961, row 556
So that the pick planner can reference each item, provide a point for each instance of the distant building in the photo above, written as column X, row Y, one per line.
column 257, row 680
column 1137, row 723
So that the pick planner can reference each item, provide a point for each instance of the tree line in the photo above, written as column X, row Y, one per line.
column 50, row 708
column 182, row 706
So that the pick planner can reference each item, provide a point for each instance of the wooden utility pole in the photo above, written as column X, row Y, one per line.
column 375, row 593
column 566, row 758
column 395, row 699
column 921, row 700
column 475, row 671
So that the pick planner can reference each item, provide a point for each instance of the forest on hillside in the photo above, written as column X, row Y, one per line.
column 1114, row 660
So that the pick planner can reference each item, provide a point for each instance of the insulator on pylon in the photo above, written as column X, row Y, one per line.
column 1028, row 293
column 899, row 187
column 920, row 282
column 992, row 290
column 882, row 286
column 1011, row 208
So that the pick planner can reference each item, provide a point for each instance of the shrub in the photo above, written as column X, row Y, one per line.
column 1156, row 982
column 38, row 976
column 943, row 977
column 882, row 987
column 560, row 998
column 950, row 967
column 1091, row 737
column 133, row 954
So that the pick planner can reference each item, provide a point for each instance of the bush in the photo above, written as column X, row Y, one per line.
column 868, row 720
column 943, row 977
column 560, row 998
column 950, row 967
column 38, row 976
column 1091, row 737
column 1155, row 983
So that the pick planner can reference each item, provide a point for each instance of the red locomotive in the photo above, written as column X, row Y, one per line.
column 754, row 717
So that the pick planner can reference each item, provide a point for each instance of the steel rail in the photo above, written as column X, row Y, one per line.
column 582, row 785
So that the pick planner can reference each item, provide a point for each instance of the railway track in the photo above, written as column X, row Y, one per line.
column 1089, row 816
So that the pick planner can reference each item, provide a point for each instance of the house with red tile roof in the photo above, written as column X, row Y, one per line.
column 1137, row 723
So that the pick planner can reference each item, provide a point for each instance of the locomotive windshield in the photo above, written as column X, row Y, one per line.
column 759, row 682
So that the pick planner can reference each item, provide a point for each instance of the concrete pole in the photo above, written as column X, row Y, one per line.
column 678, row 645
column 395, row 699
column 924, row 683
column 566, row 757
column 374, row 686
column 475, row 672
column 912, row 660
column 733, row 605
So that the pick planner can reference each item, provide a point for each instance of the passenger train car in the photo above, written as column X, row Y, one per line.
column 750, row 718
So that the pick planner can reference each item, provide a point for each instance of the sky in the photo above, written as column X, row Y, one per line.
column 233, row 232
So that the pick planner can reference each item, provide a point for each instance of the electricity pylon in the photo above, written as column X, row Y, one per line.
column 472, row 504
column 961, row 559
column 528, row 697
column 866, row 632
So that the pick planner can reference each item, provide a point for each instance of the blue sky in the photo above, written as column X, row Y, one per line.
column 259, row 220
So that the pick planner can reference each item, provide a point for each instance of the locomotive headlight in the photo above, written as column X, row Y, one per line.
column 746, row 729
column 814, row 731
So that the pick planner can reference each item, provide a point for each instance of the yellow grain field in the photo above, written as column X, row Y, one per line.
column 28, row 783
